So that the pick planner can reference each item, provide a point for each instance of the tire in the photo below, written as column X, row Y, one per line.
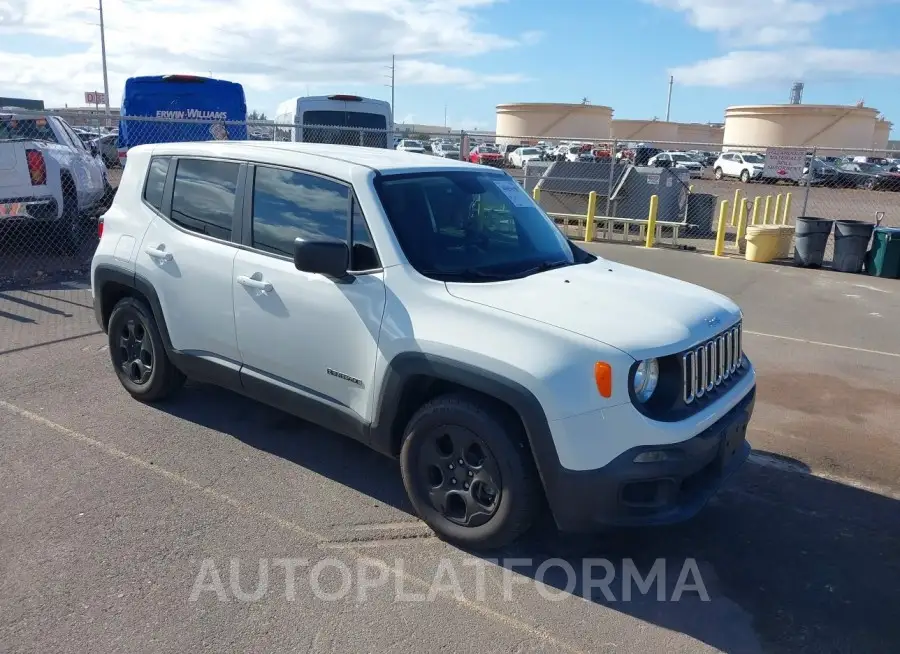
column 745, row 177
column 504, row 498
column 67, row 233
column 719, row 174
column 133, row 333
column 870, row 184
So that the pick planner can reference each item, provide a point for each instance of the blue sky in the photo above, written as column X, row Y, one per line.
column 469, row 55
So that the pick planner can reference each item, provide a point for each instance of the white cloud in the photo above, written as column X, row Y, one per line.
column 755, row 66
column 758, row 22
column 267, row 45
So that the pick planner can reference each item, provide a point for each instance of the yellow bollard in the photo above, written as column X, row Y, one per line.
column 736, row 208
column 755, row 210
column 786, row 215
column 766, row 210
column 742, row 223
column 651, row 220
column 776, row 214
column 536, row 194
column 589, row 218
column 691, row 188
column 720, row 231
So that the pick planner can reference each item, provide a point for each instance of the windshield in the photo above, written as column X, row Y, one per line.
column 681, row 157
column 470, row 225
column 753, row 158
column 869, row 168
column 530, row 151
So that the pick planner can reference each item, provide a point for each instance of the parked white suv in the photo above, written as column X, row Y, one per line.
column 747, row 166
column 679, row 160
column 431, row 310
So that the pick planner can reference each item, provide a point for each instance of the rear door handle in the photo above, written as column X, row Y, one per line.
column 160, row 254
column 260, row 284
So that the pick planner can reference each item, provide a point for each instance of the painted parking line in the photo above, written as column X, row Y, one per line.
column 821, row 344
column 481, row 609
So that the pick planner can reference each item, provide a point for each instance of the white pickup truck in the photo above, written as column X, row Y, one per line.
column 48, row 175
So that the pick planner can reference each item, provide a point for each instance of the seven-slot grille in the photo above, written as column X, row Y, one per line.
column 711, row 364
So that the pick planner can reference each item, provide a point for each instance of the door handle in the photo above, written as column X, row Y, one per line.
column 260, row 284
column 160, row 254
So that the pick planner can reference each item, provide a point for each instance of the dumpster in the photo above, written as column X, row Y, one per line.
column 701, row 214
column 762, row 243
column 811, row 239
column 883, row 260
column 851, row 241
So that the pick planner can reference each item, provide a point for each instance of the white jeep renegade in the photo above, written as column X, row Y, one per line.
column 430, row 309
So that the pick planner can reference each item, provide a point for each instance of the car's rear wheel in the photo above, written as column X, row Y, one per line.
column 138, row 354
column 719, row 174
column 68, row 233
column 468, row 471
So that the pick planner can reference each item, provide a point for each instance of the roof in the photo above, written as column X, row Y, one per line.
column 379, row 159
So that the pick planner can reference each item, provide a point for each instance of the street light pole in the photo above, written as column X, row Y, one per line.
column 103, row 55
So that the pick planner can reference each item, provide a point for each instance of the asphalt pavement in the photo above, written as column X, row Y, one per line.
column 121, row 518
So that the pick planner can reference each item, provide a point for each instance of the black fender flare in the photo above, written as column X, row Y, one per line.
column 105, row 274
column 403, row 369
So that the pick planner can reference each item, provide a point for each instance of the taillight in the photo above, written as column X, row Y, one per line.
column 100, row 227
column 36, row 167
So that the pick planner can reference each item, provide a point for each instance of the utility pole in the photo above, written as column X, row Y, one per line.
column 445, row 115
column 669, row 101
column 103, row 55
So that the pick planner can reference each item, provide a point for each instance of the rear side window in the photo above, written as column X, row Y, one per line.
column 203, row 196
column 156, row 181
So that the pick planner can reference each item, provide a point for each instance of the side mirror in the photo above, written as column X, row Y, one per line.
column 329, row 258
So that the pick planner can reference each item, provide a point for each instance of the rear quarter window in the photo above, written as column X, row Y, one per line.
column 156, row 181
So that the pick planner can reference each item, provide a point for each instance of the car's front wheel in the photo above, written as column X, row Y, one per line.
column 468, row 470
column 745, row 176
column 137, row 352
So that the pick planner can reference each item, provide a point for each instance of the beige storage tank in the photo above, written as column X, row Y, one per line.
column 543, row 121
column 800, row 125
column 699, row 136
column 647, row 131
column 882, row 134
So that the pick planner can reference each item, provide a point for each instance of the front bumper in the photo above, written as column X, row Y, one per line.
column 624, row 493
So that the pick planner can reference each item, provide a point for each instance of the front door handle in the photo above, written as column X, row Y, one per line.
column 159, row 253
column 259, row 284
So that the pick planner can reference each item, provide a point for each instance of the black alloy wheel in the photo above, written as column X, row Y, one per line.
column 457, row 471
column 135, row 354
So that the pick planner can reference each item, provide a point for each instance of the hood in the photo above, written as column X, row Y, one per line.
column 638, row 312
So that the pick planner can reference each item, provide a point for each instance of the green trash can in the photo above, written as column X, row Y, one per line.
column 883, row 260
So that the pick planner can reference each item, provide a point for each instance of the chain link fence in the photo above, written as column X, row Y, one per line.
column 55, row 181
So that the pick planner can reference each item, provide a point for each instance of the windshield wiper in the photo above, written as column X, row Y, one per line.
column 543, row 267
column 465, row 273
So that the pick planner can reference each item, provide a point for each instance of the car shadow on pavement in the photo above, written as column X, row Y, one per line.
column 791, row 562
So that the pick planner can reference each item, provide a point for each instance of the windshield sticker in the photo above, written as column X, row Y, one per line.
column 514, row 192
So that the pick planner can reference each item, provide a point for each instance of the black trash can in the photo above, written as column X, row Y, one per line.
column 701, row 214
column 811, row 237
column 851, row 242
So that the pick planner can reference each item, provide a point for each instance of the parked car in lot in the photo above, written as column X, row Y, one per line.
column 49, row 176
column 107, row 146
column 446, row 150
column 869, row 176
column 519, row 156
column 746, row 166
column 486, row 155
column 409, row 145
column 481, row 368
column 818, row 172
column 679, row 160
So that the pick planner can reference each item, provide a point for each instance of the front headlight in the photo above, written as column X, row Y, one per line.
column 646, row 376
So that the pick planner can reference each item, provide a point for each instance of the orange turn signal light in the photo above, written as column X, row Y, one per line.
column 603, row 378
